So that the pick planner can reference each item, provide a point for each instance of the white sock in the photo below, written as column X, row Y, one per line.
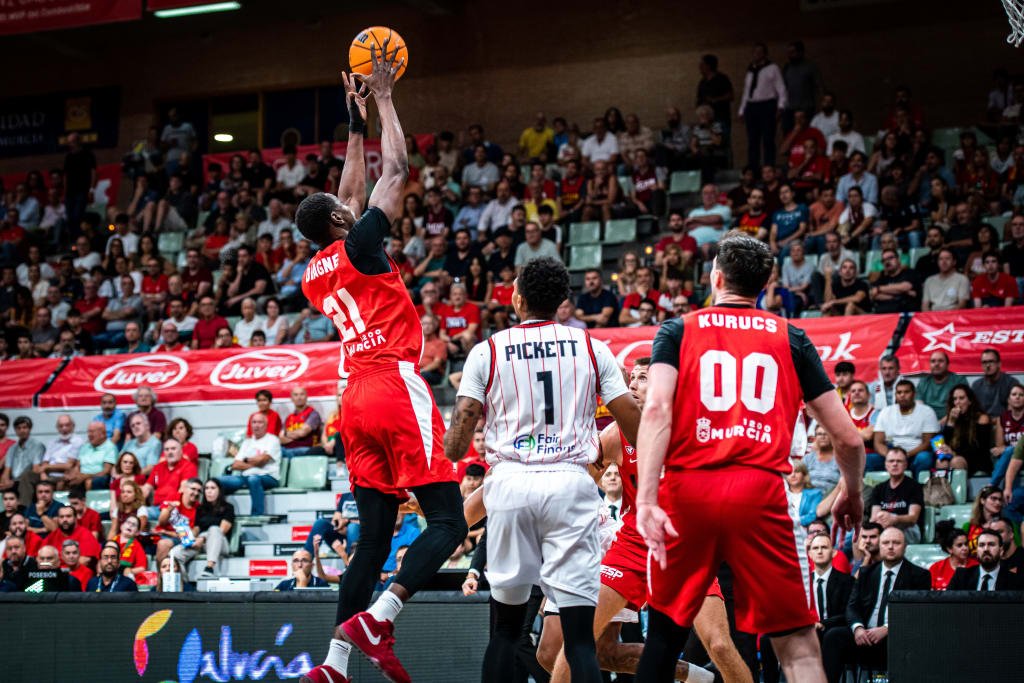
column 386, row 608
column 337, row 655
column 699, row 674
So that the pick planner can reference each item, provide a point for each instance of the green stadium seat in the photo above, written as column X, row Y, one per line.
column 929, row 523
column 924, row 554
column 960, row 514
column 98, row 501
column 170, row 242
column 620, row 231
column 308, row 472
column 872, row 479
column 626, row 185
column 585, row 257
column 870, row 259
column 203, row 468
column 218, row 465
column 587, row 232
column 959, row 483
column 682, row 182
column 810, row 314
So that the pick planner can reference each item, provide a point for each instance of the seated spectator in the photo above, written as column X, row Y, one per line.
column 958, row 555
column 755, row 221
column 707, row 149
column 11, row 508
column 899, row 216
column 967, row 434
column 865, row 643
column 330, row 435
column 434, row 359
column 992, row 389
column 1009, row 431
column 888, row 374
column 170, row 340
column 16, row 566
column 176, row 524
column 145, row 403
column 205, row 332
column 310, row 327
column 61, row 453
column 302, row 573
column 566, row 315
column 534, row 246
column 48, row 575
column 857, row 219
column 899, row 501
column 165, row 481
column 133, row 557
column 987, row 506
column 257, row 464
column 95, row 460
column 947, row 290
column 120, row 310
column 110, row 578
column 909, row 425
column 132, row 341
column 81, row 340
column 251, row 281
column 864, row 415
column 126, row 467
column 85, row 515
column 289, row 275
column 17, row 525
column 845, row 293
column 68, row 527
column 986, row 240
column 896, row 290
column 460, row 321
column 70, row 561
column 468, row 217
column 821, row 462
column 154, row 288
column 707, row 223
column 831, row 587
column 807, row 501
column 1013, row 556
column 340, row 531
column 991, row 573
column 214, row 521
column 44, row 334
column 181, row 429
column 143, row 443
column 648, row 192
column 275, row 324
column 264, row 406
column 1013, row 250
column 647, row 314
column 481, row 173
column 644, row 289
column 994, row 288
column 604, row 196
column 301, row 427
column 677, row 236
column 42, row 515
column 248, row 323
column 130, row 501
column 797, row 273
column 858, row 176
column 462, row 251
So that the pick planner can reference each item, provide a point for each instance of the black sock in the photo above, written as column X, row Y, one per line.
column 665, row 640
column 377, row 515
column 500, row 657
column 446, row 528
column 578, row 636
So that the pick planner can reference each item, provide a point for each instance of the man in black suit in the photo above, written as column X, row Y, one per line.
column 830, row 587
column 865, row 642
column 990, row 574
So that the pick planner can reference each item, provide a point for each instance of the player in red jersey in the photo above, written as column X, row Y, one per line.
column 391, row 428
column 624, row 577
column 721, row 406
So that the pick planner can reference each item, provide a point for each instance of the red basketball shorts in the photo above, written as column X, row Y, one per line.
column 392, row 431
column 624, row 569
column 739, row 516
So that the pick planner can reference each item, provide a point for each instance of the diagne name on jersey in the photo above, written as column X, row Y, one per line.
column 540, row 349
column 321, row 266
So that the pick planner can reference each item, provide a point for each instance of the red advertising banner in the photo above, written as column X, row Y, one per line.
column 301, row 532
column 963, row 335
column 275, row 156
column 198, row 376
column 860, row 340
column 29, row 16
column 267, row 568
column 22, row 379
column 108, row 182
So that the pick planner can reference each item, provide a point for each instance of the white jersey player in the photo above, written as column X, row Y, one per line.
column 538, row 384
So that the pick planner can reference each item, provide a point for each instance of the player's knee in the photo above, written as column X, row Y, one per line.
column 607, row 653
column 547, row 652
column 720, row 647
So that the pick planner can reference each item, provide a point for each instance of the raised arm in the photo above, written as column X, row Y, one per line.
column 387, row 193
column 352, row 187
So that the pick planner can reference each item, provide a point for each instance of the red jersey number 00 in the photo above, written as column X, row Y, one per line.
column 758, row 380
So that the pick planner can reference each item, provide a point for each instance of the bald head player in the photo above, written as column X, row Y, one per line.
column 392, row 431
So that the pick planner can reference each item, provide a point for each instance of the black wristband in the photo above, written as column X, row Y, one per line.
column 356, row 123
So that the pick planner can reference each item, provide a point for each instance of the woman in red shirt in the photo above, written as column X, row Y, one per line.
column 181, row 430
column 955, row 544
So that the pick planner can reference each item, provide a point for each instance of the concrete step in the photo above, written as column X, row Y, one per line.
column 256, row 568
column 300, row 516
column 281, row 503
column 276, row 533
column 270, row 549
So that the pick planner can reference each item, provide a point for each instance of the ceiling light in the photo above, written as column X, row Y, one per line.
column 224, row 137
column 197, row 9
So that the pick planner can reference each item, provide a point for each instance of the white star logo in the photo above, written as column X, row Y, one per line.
column 935, row 343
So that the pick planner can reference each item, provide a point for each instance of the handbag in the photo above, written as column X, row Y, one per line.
column 938, row 492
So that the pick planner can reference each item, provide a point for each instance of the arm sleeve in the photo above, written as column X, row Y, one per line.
column 365, row 243
column 612, row 384
column 475, row 373
column 809, row 370
column 667, row 343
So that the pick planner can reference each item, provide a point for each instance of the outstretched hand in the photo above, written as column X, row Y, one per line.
column 847, row 513
column 656, row 528
column 355, row 100
column 385, row 65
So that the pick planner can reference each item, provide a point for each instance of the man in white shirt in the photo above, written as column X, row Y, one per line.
column 178, row 317
column 87, row 259
column 61, row 453
column 827, row 119
column 706, row 223
column 909, row 425
column 498, row 211
column 601, row 146
column 256, row 465
column 249, row 323
column 291, row 172
column 275, row 221
column 947, row 290
column 846, row 133
column 764, row 96
column 535, row 246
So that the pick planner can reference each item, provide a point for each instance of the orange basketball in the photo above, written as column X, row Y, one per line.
column 359, row 50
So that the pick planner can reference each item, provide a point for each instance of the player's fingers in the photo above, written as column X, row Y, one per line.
column 373, row 54
column 670, row 530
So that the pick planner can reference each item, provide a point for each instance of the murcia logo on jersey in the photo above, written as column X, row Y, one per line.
column 703, row 430
column 365, row 342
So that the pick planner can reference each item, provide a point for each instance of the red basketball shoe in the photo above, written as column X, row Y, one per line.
column 323, row 674
column 376, row 640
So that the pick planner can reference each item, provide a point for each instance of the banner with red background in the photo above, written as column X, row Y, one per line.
column 860, row 340
column 274, row 156
column 963, row 335
column 108, row 182
column 46, row 15
column 23, row 379
column 197, row 376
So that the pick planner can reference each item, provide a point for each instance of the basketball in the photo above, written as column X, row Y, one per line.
column 359, row 50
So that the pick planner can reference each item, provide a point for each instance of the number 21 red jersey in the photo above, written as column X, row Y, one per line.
column 373, row 313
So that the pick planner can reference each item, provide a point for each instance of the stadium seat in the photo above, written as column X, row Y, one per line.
column 999, row 223
column 203, row 468
column 959, row 483
column 810, row 314
column 587, row 232
column 872, row 479
column 584, row 257
column 682, row 182
column 924, row 554
column 870, row 259
column 960, row 514
column 524, row 173
column 170, row 242
column 98, row 501
column 928, row 515
column 916, row 254
column 308, row 472
column 620, row 230
column 626, row 185
column 218, row 465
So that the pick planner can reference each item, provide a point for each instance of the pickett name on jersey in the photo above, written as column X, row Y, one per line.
column 541, row 349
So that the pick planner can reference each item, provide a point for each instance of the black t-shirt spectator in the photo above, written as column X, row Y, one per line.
column 904, row 302
column 456, row 265
column 258, row 174
column 716, row 86
column 899, row 216
column 207, row 516
column 927, row 266
column 496, row 262
column 897, row 500
column 78, row 167
column 841, row 291
column 1014, row 256
column 592, row 305
column 254, row 274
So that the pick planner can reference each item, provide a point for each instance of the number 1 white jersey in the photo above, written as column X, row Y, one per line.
column 539, row 384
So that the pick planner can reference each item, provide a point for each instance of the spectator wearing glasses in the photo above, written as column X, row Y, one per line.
column 899, row 501
column 993, row 387
column 110, row 579
column 256, row 465
column 302, row 573
column 896, row 290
